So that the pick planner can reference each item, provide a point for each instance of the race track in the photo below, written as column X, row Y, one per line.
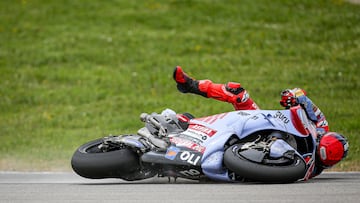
column 68, row 187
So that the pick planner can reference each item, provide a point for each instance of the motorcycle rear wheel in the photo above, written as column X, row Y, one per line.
column 263, row 173
column 90, row 162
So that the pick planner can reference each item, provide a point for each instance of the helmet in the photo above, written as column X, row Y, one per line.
column 332, row 148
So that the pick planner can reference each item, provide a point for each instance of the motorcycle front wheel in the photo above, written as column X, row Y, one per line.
column 90, row 162
column 254, row 171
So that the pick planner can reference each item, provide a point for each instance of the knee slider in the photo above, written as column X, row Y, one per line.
column 234, row 88
column 242, row 97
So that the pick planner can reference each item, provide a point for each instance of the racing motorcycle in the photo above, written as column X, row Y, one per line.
column 248, row 145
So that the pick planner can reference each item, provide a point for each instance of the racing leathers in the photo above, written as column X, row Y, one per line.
column 230, row 92
column 236, row 94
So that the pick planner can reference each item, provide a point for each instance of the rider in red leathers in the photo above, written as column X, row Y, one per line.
column 231, row 92
column 235, row 94
column 332, row 147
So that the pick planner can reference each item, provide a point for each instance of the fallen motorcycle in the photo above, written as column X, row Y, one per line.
column 254, row 145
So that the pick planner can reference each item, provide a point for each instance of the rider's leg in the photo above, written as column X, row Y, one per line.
column 230, row 92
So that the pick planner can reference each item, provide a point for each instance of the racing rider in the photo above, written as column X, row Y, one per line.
column 332, row 147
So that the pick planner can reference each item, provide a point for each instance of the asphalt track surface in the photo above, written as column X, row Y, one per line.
column 68, row 187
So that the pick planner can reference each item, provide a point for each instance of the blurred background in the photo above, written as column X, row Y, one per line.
column 73, row 71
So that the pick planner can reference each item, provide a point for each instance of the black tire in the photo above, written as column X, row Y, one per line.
column 89, row 162
column 263, row 173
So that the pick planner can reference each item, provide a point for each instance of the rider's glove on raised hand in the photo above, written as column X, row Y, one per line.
column 288, row 99
column 296, row 96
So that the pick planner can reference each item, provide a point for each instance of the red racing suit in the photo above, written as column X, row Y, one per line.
column 235, row 94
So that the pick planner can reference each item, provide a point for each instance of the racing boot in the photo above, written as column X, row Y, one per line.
column 231, row 92
column 185, row 84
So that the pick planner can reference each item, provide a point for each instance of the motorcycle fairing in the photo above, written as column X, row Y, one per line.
column 176, row 162
column 243, row 124
column 174, row 156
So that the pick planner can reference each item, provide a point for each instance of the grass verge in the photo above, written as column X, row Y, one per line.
column 72, row 71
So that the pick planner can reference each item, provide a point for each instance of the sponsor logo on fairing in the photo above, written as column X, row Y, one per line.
column 181, row 142
column 193, row 136
column 242, row 113
column 281, row 117
column 172, row 152
column 190, row 157
column 190, row 172
column 203, row 129
column 199, row 132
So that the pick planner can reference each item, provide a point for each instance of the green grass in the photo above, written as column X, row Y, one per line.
column 72, row 71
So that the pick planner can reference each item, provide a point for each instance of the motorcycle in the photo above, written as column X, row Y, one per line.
column 248, row 145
